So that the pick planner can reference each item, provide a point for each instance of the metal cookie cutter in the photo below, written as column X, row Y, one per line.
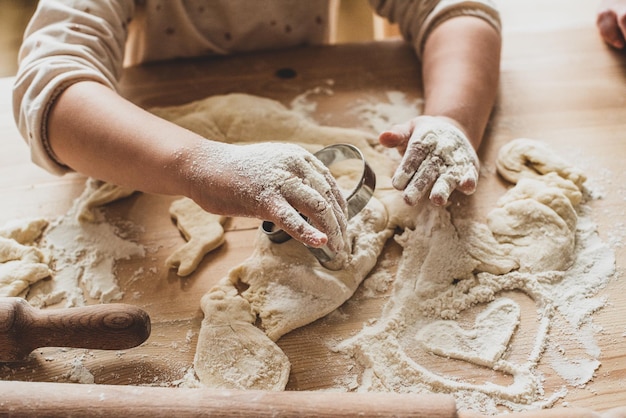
column 357, row 199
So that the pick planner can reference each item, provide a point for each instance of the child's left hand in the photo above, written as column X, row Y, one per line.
column 437, row 157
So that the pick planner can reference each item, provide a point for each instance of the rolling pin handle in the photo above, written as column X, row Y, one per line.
column 113, row 326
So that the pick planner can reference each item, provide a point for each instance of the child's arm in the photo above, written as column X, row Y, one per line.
column 93, row 130
column 66, row 108
column 461, row 64
column 461, row 69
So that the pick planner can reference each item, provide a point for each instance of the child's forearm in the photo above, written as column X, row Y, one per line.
column 461, row 65
column 96, row 132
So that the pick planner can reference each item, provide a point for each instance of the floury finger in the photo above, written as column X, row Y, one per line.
column 316, row 211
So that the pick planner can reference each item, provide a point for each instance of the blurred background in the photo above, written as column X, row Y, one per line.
column 356, row 23
column 13, row 20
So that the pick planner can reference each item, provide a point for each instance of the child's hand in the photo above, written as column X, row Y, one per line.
column 275, row 182
column 611, row 22
column 437, row 157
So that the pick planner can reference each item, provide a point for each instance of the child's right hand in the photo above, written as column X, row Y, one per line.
column 437, row 159
column 276, row 182
column 611, row 22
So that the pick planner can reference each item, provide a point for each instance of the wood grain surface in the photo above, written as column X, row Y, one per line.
column 559, row 83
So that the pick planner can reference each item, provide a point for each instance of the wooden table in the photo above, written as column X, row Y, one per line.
column 562, row 86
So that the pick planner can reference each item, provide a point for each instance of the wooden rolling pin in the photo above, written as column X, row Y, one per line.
column 113, row 326
column 26, row 399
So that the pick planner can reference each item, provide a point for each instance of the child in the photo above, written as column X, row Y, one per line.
column 611, row 22
column 67, row 108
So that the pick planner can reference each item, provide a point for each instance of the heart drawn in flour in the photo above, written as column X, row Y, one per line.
column 483, row 344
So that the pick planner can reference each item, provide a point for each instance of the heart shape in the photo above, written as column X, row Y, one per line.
column 483, row 344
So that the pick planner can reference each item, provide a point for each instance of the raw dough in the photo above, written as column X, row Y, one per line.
column 243, row 118
column 285, row 287
column 202, row 230
column 525, row 157
column 21, row 263
column 100, row 194
column 25, row 232
column 282, row 286
column 536, row 222
column 528, row 244
column 231, row 351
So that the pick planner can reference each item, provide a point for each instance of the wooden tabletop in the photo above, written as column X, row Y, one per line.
column 562, row 85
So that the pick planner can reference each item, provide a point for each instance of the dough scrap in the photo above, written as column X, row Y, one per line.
column 231, row 351
column 202, row 230
column 20, row 266
column 25, row 232
column 99, row 193
column 525, row 157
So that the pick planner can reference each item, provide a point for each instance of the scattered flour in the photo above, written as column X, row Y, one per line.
column 83, row 253
column 379, row 116
column 306, row 107
column 384, row 347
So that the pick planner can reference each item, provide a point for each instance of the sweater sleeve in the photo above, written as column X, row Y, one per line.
column 65, row 42
column 418, row 18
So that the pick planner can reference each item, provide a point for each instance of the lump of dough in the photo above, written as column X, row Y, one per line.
column 24, row 231
column 524, row 157
column 20, row 266
column 558, row 194
column 288, row 287
column 98, row 193
column 231, row 352
column 202, row 230
column 482, row 246
column 536, row 220
column 535, row 233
